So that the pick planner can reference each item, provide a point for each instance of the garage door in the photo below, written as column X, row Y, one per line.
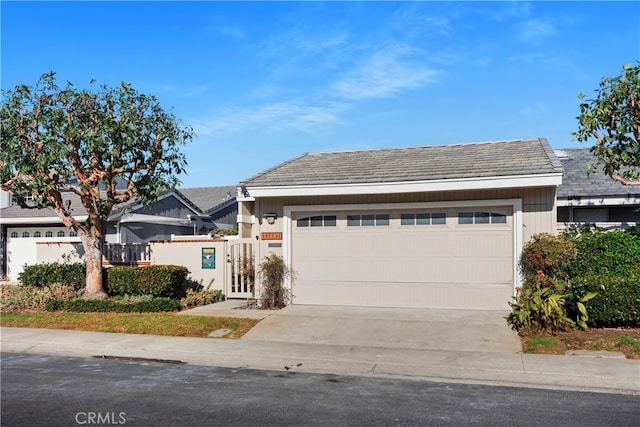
column 437, row 258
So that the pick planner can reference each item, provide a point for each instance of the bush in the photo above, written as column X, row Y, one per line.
column 46, row 274
column 605, row 253
column 540, row 307
column 197, row 298
column 157, row 280
column 115, row 306
column 273, row 271
column 549, row 254
column 618, row 299
column 20, row 298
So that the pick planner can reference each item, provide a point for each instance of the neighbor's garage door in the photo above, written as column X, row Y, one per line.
column 439, row 258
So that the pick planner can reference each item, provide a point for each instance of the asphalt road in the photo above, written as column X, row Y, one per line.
column 58, row 391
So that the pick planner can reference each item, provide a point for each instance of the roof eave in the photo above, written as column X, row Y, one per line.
column 595, row 201
column 38, row 220
column 484, row 183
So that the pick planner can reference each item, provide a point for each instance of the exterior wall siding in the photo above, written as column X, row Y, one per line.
column 538, row 210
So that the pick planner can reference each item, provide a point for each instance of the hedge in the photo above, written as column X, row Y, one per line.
column 618, row 299
column 47, row 274
column 604, row 253
column 156, row 280
column 89, row 305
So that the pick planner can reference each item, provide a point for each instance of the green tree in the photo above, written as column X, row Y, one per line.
column 87, row 143
column 612, row 118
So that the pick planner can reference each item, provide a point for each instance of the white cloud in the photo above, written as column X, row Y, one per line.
column 385, row 74
column 533, row 110
column 232, row 31
column 535, row 31
column 270, row 118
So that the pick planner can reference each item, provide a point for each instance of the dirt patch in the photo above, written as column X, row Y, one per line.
column 623, row 340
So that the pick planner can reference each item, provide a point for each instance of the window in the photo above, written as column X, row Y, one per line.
column 14, row 234
column 60, row 233
column 423, row 218
column 317, row 221
column 48, row 234
column 72, row 234
column 368, row 220
column 591, row 215
column 481, row 218
column 37, row 234
column 25, row 234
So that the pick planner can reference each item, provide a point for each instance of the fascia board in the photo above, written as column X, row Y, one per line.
column 598, row 201
column 37, row 220
column 543, row 180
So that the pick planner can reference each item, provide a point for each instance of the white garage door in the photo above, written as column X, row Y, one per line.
column 437, row 258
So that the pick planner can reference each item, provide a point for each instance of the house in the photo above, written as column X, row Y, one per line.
column 434, row 226
column 187, row 211
column 593, row 199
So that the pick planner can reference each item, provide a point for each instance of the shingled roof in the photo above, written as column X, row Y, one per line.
column 473, row 160
column 577, row 183
column 68, row 198
column 208, row 198
column 204, row 200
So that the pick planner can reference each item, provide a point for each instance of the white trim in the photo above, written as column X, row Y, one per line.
column 37, row 220
column 154, row 219
column 495, row 182
column 246, row 219
column 601, row 201
column 515, row 204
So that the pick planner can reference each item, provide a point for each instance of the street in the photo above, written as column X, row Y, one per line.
column 40, row 390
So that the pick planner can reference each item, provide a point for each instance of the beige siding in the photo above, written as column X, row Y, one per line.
column 539, row 212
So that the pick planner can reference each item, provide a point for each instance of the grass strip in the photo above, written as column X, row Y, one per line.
column 167, row 324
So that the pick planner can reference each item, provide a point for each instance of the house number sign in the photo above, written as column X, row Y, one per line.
column 276, row 235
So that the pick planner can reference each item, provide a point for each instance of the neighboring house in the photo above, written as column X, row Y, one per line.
column 594, row 199
column 174, row 213
column 436, row 226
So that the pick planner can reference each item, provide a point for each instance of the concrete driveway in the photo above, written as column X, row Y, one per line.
column 429, row 329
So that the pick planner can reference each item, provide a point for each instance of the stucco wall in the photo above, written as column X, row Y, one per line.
column 189, row 254
column 32, row 250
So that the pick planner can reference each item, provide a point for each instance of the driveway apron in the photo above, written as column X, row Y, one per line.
column 429, row 329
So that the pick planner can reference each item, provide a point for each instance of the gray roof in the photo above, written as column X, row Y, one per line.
column 577, row 183
column 474, row 160
column 208, row 198
column 205, row 199
column 15, row 211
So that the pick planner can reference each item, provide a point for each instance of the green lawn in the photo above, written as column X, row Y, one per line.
column 168, row 324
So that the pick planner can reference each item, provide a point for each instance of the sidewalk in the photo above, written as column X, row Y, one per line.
column 599, row 374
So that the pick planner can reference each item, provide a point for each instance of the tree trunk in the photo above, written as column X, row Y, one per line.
column 93, row 246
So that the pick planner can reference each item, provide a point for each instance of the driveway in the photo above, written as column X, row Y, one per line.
column 429, row 329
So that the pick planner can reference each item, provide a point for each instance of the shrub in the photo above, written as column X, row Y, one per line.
column 618, row 299
column 46, row 274
column 273, row 271
column 115, row 306
column 549, row 254
column 197, row 298
column 540, row 306
column 20, row 298
column 156, row 280
column 605, row 253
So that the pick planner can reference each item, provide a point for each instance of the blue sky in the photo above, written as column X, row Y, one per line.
column 263, row 82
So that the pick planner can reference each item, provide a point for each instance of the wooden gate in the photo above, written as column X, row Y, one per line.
column 241, row 271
